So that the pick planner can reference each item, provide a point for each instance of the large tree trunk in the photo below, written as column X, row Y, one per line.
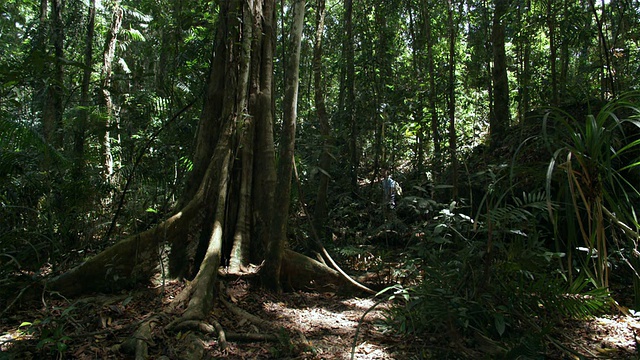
column 240, row 254
column 242, row 76
column 273, row 260
column 264, row 171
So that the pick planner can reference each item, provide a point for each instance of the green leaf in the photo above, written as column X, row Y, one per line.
column 500, row 323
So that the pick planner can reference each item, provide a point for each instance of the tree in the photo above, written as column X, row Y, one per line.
column 451, row 99
column 204, row 213
column 275, row 248
column 53, row 107
column 435, row 126
column 83, row 118
column 321, row 209
column 348, row 98
column 501, row 113
column 107, row 77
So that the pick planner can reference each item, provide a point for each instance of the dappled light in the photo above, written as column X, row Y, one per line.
column 326, row 179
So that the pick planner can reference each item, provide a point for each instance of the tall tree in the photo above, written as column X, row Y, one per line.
column 83, row 118
column 451, row 99
column 324, row 163
column 198, row 229
column 606, row 72
column 53, row 106
column 433, row 91
column 524, row 69
column 553, row 50
column 349, row 88
column 501, row 114
column 275, row 248
column 107, row 82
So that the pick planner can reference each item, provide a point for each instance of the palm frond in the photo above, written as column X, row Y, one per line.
column 18, row 141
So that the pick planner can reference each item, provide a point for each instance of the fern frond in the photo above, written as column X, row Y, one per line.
column 18, row 140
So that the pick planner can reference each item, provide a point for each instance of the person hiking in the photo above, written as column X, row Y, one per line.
column 390, row 188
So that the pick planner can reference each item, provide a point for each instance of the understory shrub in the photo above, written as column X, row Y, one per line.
column 490, row 285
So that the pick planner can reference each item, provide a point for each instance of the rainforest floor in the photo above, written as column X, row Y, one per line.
column 297, row 325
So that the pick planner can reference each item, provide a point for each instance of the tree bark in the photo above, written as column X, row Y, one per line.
column 53, row 106
column 500, row 120
column 83, row 118
column 240, row 254
column 435, row 126
column 107, row 73
column 273, row 260
column 553, row 57
column 264, row 179
column 350, row 95
column 453, row 139
column 321, row 209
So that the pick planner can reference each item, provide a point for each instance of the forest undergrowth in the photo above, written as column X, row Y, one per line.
column 511, row 267
column 424, row 257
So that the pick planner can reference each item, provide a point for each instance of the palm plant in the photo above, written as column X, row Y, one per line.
column 598, row 158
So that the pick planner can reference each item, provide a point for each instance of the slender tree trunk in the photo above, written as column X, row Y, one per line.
column 350, row 92
column 608, row 88
column 107, row 74
column 53, row 107
column 553, row 57
column 324, row 163
column 525, row 98
column 83, row 119
column 453, row 139
column 435, row 126
column 500, row 120
column 415, row 62
column 564, row 50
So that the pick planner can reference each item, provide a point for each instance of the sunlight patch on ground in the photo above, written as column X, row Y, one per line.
column 330, row 328
column 361, row 304
column 311, row 319
column 619, row 331
column 609, row 336
column 11, row 337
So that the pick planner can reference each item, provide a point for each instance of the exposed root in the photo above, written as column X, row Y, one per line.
column 206, row 328
column 251, row 337
column 139, row 342
column 245, row 315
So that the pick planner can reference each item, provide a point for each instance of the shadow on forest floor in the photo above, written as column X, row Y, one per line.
column 306, row 326
column 298, row 325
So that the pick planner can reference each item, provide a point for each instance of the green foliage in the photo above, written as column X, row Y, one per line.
column 599, row 158
column 493, row 282
column 51, row 331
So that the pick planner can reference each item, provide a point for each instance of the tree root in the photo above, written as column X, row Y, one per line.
column 206, row 328
column 245, row 315
column 138, row 343
column 251, row 337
